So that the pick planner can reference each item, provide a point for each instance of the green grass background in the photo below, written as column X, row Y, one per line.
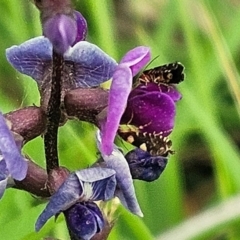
column 198, row 195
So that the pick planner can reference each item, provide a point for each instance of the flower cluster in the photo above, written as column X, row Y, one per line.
column 141, row 113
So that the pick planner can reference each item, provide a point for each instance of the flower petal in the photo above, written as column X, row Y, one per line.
column 119, row 91
column 137, row 58
column 15, row 163
column 117, row 162
column 145, row 167
column 61, row 30
column 3, row 176
column 102, row 182
column 31, row 57
column 81, row 27
column 66, row 196
column 92, row 65
column 171, row 91
column 153, row 112
column 84, row 220
column 79, row 186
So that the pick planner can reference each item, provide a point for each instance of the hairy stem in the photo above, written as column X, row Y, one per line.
column 53, row 114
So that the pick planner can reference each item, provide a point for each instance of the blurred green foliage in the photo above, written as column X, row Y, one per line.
column 205, row 171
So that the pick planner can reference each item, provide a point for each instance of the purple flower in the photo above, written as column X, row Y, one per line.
column 88, row 65
column 144, row 166
column 74, row 198
column 151, row 108
column 12, row 164
column 125, row 188
column 65, row 30
column 121, row 86
column 84, row 220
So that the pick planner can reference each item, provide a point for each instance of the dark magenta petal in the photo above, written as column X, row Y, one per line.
column 16, row 165
column 81, row 27
column 136, row 59
column 153, row 112
column 61, row 30
column 151, row 87
column 126, row 192
column 31, row 57
column 82, row 185
column 119, row 91
column 84, row 220
column 171, row 91
column 145, row 167
column 92, row 66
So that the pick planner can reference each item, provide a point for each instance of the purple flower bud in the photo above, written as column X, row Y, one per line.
column 84, row 220
column 145, row 167
column 64, row 30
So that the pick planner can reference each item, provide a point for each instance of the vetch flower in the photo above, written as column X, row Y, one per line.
column 144, row 166
column 12, row 164
column 121, row 86
column 151, row 108
column 87, row 65
column 74, row 197
column 125, row 188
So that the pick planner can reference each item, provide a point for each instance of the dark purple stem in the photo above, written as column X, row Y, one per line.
column 53, row 114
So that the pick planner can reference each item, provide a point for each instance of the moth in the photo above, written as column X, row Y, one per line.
column 154, row 143
column 171, row 73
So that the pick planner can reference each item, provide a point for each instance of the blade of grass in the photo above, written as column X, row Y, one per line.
column 207, row 222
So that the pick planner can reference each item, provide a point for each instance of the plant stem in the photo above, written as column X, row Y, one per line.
column 53, row 114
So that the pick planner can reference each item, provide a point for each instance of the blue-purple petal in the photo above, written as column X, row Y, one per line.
column 31, row 57
column 137, row 58
column 145, row 167
column 15, row 163
column 117, row 162
column 102, row 182
column 84, row 220
column 67, row 195
column 92, row 65
column 82, row 185
column 119, row 91
column 3, row 176
column 3, row 167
